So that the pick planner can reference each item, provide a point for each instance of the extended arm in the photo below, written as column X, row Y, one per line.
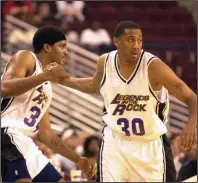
column 49, row 138
column 14, row 81
column 166, row 77
column 87, row 85
column 18, row 77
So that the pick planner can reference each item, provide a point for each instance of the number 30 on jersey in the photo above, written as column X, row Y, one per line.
column 136, row 124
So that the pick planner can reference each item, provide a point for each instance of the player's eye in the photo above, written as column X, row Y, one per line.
column 130, row 40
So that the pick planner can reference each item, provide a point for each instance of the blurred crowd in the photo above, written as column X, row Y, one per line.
column 65, row 14
column 88, row 146
column 91, row 25
column 185, row 161
column 95, row 38
column 85, row 144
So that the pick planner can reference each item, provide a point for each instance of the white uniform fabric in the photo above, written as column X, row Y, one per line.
column 123, row 159
column 25, row 111
column 21, row 115
column 35, row 160
column 132, row 108
column 135, row 115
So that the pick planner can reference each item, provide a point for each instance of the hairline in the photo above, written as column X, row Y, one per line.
column 122, row 34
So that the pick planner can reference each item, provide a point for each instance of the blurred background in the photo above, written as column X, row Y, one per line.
column 169, row 31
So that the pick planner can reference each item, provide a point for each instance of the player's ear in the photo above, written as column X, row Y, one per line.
column 47, row 47
column 116, row 42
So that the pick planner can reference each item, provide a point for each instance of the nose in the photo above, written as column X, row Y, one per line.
column 135, row 45
column 66, row 52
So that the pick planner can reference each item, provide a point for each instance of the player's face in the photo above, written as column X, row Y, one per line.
column 59, row 52
column 129, row 44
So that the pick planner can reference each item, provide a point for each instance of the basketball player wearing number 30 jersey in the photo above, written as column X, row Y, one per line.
column 134, row 85
column 135, row 118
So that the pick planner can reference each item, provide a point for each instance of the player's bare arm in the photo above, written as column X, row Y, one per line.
column 87, row 85
column 166, row 77
column 18, row 80
column 48, row 137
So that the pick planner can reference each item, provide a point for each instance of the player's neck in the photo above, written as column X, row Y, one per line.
column 124, row 62
column 43, row 59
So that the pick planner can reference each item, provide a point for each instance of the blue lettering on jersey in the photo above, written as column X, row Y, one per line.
column 134, row 123
column 40, row 100
column 129, row 103
column 32, row 120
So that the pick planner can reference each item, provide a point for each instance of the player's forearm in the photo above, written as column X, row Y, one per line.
column 17, row 86
column 192, row 107
column 82, row 84
column 57, row 145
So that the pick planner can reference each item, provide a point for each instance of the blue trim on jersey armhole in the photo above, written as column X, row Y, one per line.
column 104, row 78
column 152, row 92
column 5, row 104
column 151, row 60
column 104, row 111
column 99, row 172
column 159, row 110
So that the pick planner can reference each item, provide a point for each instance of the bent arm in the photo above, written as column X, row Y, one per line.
column 87, row 85
column 49, row 138
column 15, row 80
column 167, row 78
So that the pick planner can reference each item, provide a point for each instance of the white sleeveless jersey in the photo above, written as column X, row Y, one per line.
column 25, row 111
column 132, row 108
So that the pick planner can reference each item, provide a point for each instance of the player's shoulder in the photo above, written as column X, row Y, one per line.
column 104, row 57
column 23, row 53
column 150, row 58
column 149, row 55
column 101, row 61
column 24, row 57
column 156, row 65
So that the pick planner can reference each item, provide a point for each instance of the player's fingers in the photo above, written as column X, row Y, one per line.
column 183, row 140
column 58, row 68
column 53, row 64
column 190, row 140
column 187, row 141
column 194, row 140
column 91, row 172
column 90, row 175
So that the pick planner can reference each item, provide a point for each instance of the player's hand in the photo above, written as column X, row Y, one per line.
column 93, row 172
column 55, row 72
column 189, row 135
column 87, row 167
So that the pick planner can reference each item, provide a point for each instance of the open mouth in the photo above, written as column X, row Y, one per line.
column 64, row 60
column 135, row 54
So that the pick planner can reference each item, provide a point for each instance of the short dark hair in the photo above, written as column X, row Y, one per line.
column 87, row 152
column 119, row 30
column 46, row 34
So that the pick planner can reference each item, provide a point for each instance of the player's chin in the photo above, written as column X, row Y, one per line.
column 60, row 62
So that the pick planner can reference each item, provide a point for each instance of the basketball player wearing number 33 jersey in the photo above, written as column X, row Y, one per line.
column 134, row 85
column 26, row 97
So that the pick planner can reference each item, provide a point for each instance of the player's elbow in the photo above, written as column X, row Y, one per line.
column 44, row 135
column 191, row 99
column 5, row 92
